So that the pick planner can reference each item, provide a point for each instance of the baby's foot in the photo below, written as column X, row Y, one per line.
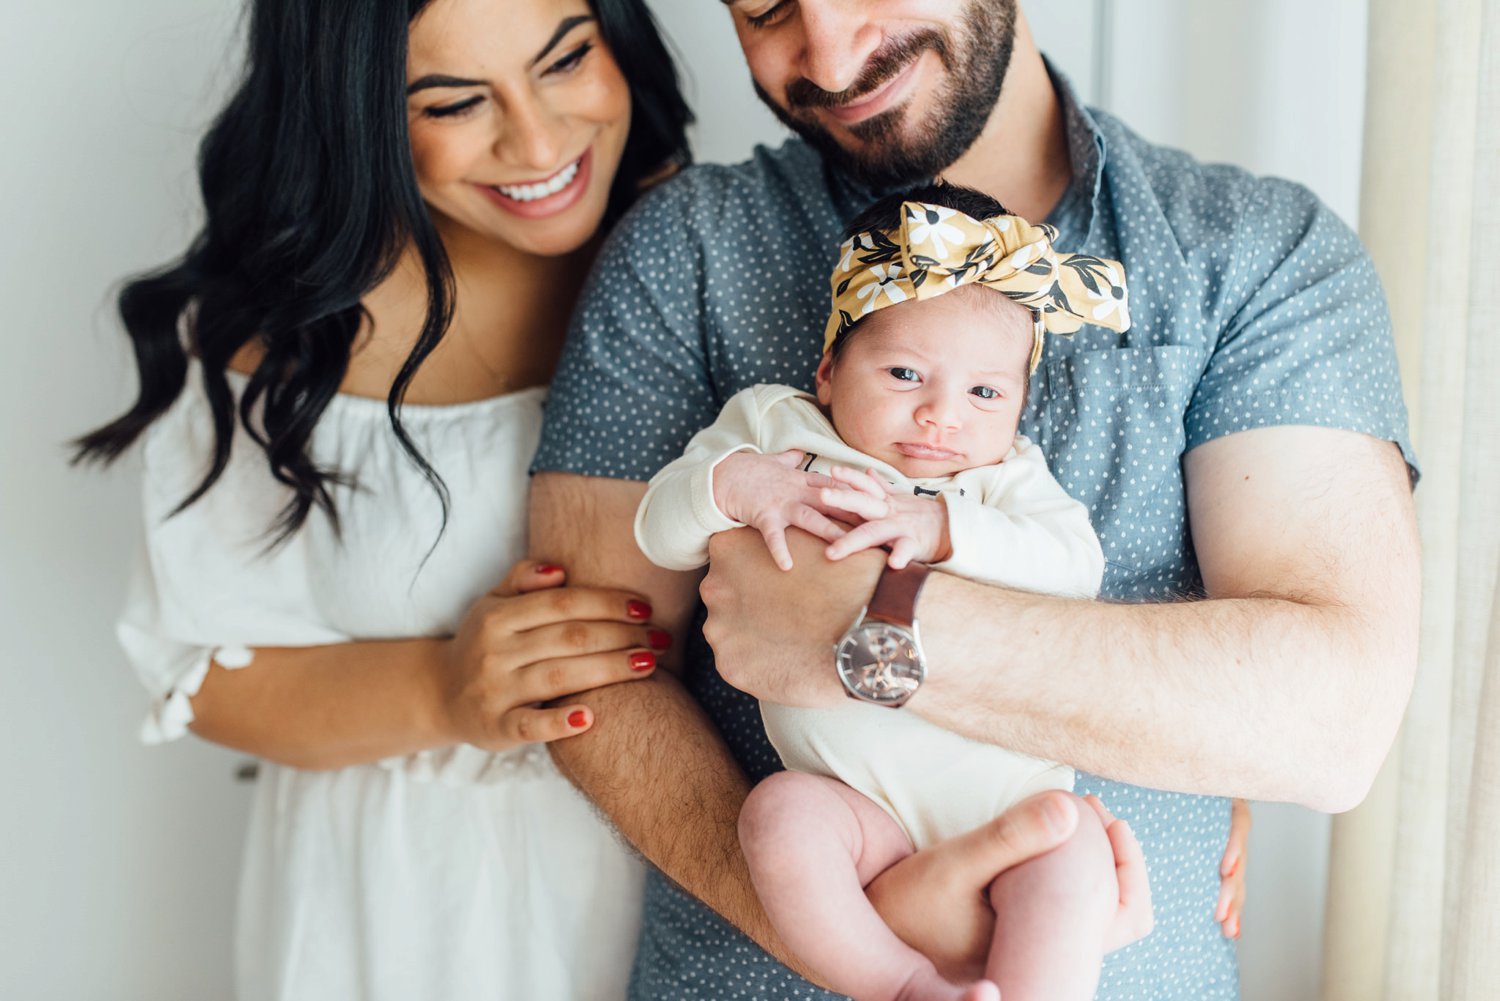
column 984, row 990
column 928, row 986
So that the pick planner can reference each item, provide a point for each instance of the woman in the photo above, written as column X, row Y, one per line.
column 341, row 386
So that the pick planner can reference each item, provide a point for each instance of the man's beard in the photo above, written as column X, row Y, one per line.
column 894, row 153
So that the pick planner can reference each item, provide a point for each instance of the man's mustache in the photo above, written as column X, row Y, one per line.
column 881, row 67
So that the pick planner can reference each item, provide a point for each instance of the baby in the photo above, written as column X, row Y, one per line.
column 941, row 302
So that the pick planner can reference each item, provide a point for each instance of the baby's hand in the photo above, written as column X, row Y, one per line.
column 770, row 494
column 915, row 528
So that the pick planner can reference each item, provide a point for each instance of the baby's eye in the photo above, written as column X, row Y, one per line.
column 904, row 374
column 985, row 393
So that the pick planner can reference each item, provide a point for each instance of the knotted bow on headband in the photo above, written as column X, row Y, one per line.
column 937, row 250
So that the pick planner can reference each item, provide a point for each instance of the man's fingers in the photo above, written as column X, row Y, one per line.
column 1028, row 829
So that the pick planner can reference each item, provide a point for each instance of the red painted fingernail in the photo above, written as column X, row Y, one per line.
column 637, row 609
column 659, row 639
column 548, row 568
column 578, row 719
column 642, row 660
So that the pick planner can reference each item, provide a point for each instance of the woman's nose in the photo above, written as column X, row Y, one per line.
column 838, row 40
column 529, row 137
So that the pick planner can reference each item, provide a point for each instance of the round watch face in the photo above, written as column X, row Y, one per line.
column 880, row 663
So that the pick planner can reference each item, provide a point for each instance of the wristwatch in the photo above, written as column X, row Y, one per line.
column 879, row 659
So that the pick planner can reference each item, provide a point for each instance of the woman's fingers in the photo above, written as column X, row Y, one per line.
column 577, row 638
column 529, row 575
column 550, row 680
column 531, row 725
column 555, row 605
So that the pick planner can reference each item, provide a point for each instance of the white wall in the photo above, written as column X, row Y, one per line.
column 117, row 871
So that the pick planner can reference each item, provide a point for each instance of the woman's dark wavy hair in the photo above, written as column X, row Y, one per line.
column 310, row 198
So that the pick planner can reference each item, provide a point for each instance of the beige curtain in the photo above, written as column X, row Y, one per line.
column 1414, row 882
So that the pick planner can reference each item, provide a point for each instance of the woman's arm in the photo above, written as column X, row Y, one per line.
column 528, row 642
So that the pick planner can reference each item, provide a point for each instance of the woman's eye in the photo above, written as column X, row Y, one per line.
column 985, row 393
column 572, row 60
column 904, row 374
column 769, row 16
column 450, row 110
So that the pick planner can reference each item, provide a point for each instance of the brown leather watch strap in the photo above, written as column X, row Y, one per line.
column 895, row 597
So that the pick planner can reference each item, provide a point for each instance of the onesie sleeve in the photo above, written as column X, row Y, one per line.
column 205, row 583
column 678, row 515
column 1016, row 526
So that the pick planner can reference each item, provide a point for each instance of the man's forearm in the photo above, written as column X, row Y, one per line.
column 1264, row 698
column 657, row 768
column 1287, row 683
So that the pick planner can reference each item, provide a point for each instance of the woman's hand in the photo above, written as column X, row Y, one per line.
column 770, row 493
column 911, row 527
column 1232, row 870
column 531, row 642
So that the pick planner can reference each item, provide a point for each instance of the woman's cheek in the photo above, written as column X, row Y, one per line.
column 440, row 158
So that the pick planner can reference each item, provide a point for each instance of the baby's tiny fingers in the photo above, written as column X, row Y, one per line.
column 855, row 502
column 776, row 543
column 816, row 523
column 862, row 480
column 903, row 551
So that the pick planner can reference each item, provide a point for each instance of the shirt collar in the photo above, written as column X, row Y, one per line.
column 1074, row 213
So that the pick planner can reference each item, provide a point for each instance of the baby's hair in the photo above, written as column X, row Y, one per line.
column 886, row 214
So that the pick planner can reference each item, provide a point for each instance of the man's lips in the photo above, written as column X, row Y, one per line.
column 922, row 450
column 884, row 97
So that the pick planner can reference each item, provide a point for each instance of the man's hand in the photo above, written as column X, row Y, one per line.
column 936, row 900
column 773, row 632
column 771, row 494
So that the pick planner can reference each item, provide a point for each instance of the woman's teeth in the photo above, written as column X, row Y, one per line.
column 531, row 192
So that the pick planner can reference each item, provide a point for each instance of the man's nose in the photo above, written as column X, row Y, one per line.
column 838, row 39
column 529, row 135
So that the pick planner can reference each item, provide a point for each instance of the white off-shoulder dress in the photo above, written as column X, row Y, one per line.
column 450, row 875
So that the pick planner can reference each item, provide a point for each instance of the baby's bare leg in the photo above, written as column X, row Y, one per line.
column 812, row 844
column 1051, row 917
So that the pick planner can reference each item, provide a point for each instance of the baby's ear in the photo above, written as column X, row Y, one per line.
column 824, row 379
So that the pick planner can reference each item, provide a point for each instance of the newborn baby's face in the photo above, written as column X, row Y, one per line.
column 933, row 386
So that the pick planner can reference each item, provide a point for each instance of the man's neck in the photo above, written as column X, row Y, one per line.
column 1021, row 157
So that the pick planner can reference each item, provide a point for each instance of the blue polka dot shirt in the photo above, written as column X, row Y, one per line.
column 1253, row 305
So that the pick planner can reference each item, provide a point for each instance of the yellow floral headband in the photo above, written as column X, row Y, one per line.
column 937, row 250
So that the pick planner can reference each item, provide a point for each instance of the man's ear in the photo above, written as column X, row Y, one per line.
column 825, row 379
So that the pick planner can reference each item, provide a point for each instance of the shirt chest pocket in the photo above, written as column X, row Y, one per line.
column 1110, row 423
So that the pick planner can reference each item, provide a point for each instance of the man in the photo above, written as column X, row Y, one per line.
column 1235, row 447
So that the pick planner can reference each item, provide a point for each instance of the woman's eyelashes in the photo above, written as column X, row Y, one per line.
column 567, row 64
column 570, row 61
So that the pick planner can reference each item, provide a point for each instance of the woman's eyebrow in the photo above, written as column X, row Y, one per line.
column 441, row 80
column 566, row 25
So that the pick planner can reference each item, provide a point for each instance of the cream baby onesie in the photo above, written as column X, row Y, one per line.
column 1010, row 524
